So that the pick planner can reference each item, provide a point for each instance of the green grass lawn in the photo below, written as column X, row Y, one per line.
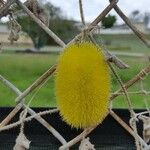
column 24, row 69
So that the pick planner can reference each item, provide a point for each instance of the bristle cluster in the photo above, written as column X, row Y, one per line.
column 82, row 85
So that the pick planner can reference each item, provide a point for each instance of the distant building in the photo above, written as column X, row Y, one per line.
column 124, row 29
column 142, row 27
column 4, row 34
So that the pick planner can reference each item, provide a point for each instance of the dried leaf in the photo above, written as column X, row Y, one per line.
column 22, row 143
column 86, row 145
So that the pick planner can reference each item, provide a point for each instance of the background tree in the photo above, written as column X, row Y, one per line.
column 109, row 21
column 63, row 27
column 135, row 16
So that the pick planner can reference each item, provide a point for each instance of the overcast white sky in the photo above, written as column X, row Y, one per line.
column 93, row 7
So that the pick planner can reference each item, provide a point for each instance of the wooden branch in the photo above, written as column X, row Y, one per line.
column 4, row 10
column 134, row 29
column 114, row 59
column 78, row 138
column 135, row 79
column 11, row 115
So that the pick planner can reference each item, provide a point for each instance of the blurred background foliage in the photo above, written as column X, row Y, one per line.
column 65, row 28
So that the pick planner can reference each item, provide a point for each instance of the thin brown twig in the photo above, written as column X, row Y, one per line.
column 94, row 24
column 38, row 82
column 81, row 12
column 123, row 89
column 132, row 113
column 109, row 56
column 126, row 127
column 5, row 9
column 135, row 79
column 135, row 92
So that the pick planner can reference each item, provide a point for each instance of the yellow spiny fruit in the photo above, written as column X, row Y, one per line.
column 82, row 85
